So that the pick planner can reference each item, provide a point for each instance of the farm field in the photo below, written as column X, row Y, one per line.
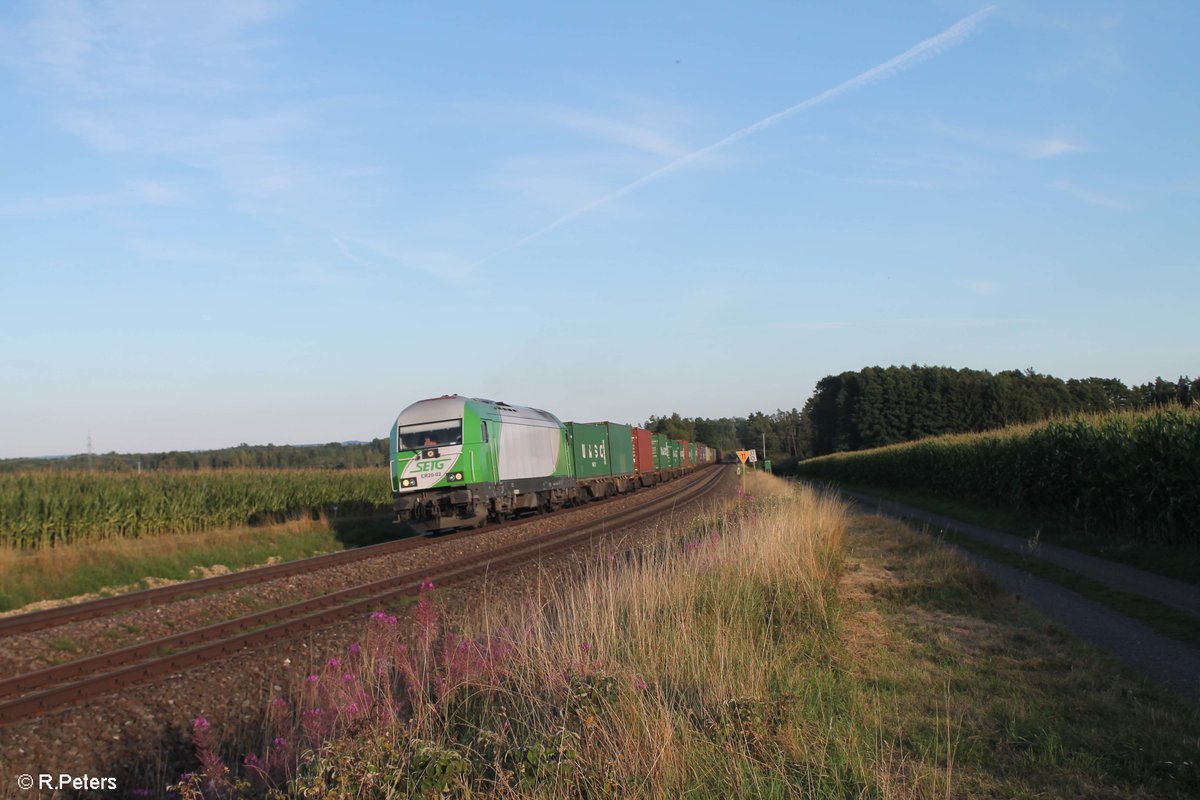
column 785, row 647
column 48, row 509
column 40, row 577
column 74, row 534
column 1124, row 476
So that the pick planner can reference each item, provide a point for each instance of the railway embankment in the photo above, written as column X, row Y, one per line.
column 786, row 645
column 150, row 716
column 772, row 642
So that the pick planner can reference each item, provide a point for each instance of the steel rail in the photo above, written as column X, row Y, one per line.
column 297, row 617
column 90, row 609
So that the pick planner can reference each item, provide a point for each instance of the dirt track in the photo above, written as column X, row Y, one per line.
column 1169, row 662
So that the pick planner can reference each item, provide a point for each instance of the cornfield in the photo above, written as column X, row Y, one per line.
column 1125, row 474
column 54, row 508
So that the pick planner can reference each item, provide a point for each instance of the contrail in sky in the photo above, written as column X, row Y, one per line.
column 914, row 55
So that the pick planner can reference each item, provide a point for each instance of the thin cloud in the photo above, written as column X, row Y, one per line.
column 936, row 323
column 905, row 183
column 1052, row 147
column 150, row 193
column 809, row 326
column 1088, row 196
column 920, row 52
column 640, row 137
column 117, row 74
column 377, row 253
column 919, row 323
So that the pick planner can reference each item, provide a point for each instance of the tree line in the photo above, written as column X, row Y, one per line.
column 877, row 406
column 334, row 455
column 870, row 407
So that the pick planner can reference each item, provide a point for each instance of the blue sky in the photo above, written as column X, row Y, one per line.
column 285, row 221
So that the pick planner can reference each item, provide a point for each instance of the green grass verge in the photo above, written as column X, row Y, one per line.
column 1031, row 711
column 1159, row 617
column 1162, row 618
column 128, row 565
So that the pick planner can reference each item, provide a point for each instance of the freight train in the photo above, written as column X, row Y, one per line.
column 460, row 462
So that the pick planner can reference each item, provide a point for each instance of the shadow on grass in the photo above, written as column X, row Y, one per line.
column 368, row 529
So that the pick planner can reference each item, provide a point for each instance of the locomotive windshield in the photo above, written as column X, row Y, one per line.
column 430, row 434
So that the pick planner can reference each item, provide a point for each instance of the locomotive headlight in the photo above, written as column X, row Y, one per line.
column 454, row 477
column 407, row 482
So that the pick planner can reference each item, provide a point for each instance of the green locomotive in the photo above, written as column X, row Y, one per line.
column 458, row 462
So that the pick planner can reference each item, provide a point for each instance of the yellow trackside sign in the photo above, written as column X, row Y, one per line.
column 743, row 455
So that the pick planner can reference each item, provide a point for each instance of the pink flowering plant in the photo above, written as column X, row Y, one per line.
column 655, row 671
column 420, row 683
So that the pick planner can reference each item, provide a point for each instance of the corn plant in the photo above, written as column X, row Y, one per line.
column 53, row 508
column 1127, row 474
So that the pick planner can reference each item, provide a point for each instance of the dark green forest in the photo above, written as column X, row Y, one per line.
column 874, row 406
column 877, row 406
column 871, row 407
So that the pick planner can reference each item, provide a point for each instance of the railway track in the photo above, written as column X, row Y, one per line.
column 48, row 618
column 33, row 693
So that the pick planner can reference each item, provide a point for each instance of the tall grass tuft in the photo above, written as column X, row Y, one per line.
column 706, row 665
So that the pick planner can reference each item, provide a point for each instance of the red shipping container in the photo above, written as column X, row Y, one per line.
column 684, row 460
column 643, row 450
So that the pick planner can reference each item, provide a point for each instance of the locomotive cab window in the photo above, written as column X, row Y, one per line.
column 431, row 434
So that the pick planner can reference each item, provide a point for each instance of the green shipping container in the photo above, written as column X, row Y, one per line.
column 676, row 453
column 662, row 451
column 692, row 454
column 589, row 446
column 620, row 448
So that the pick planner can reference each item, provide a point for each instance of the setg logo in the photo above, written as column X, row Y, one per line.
column 424, row 473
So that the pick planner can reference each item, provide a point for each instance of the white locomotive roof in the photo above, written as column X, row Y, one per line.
column 433, row 410
column 451, row 407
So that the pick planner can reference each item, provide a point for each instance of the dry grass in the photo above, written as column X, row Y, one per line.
column 708, row 665
column 44, row 577
column 699, row 622
column 781, row 648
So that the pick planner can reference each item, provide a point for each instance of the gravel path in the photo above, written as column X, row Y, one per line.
column 1160, row 658
column 1168, row 591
